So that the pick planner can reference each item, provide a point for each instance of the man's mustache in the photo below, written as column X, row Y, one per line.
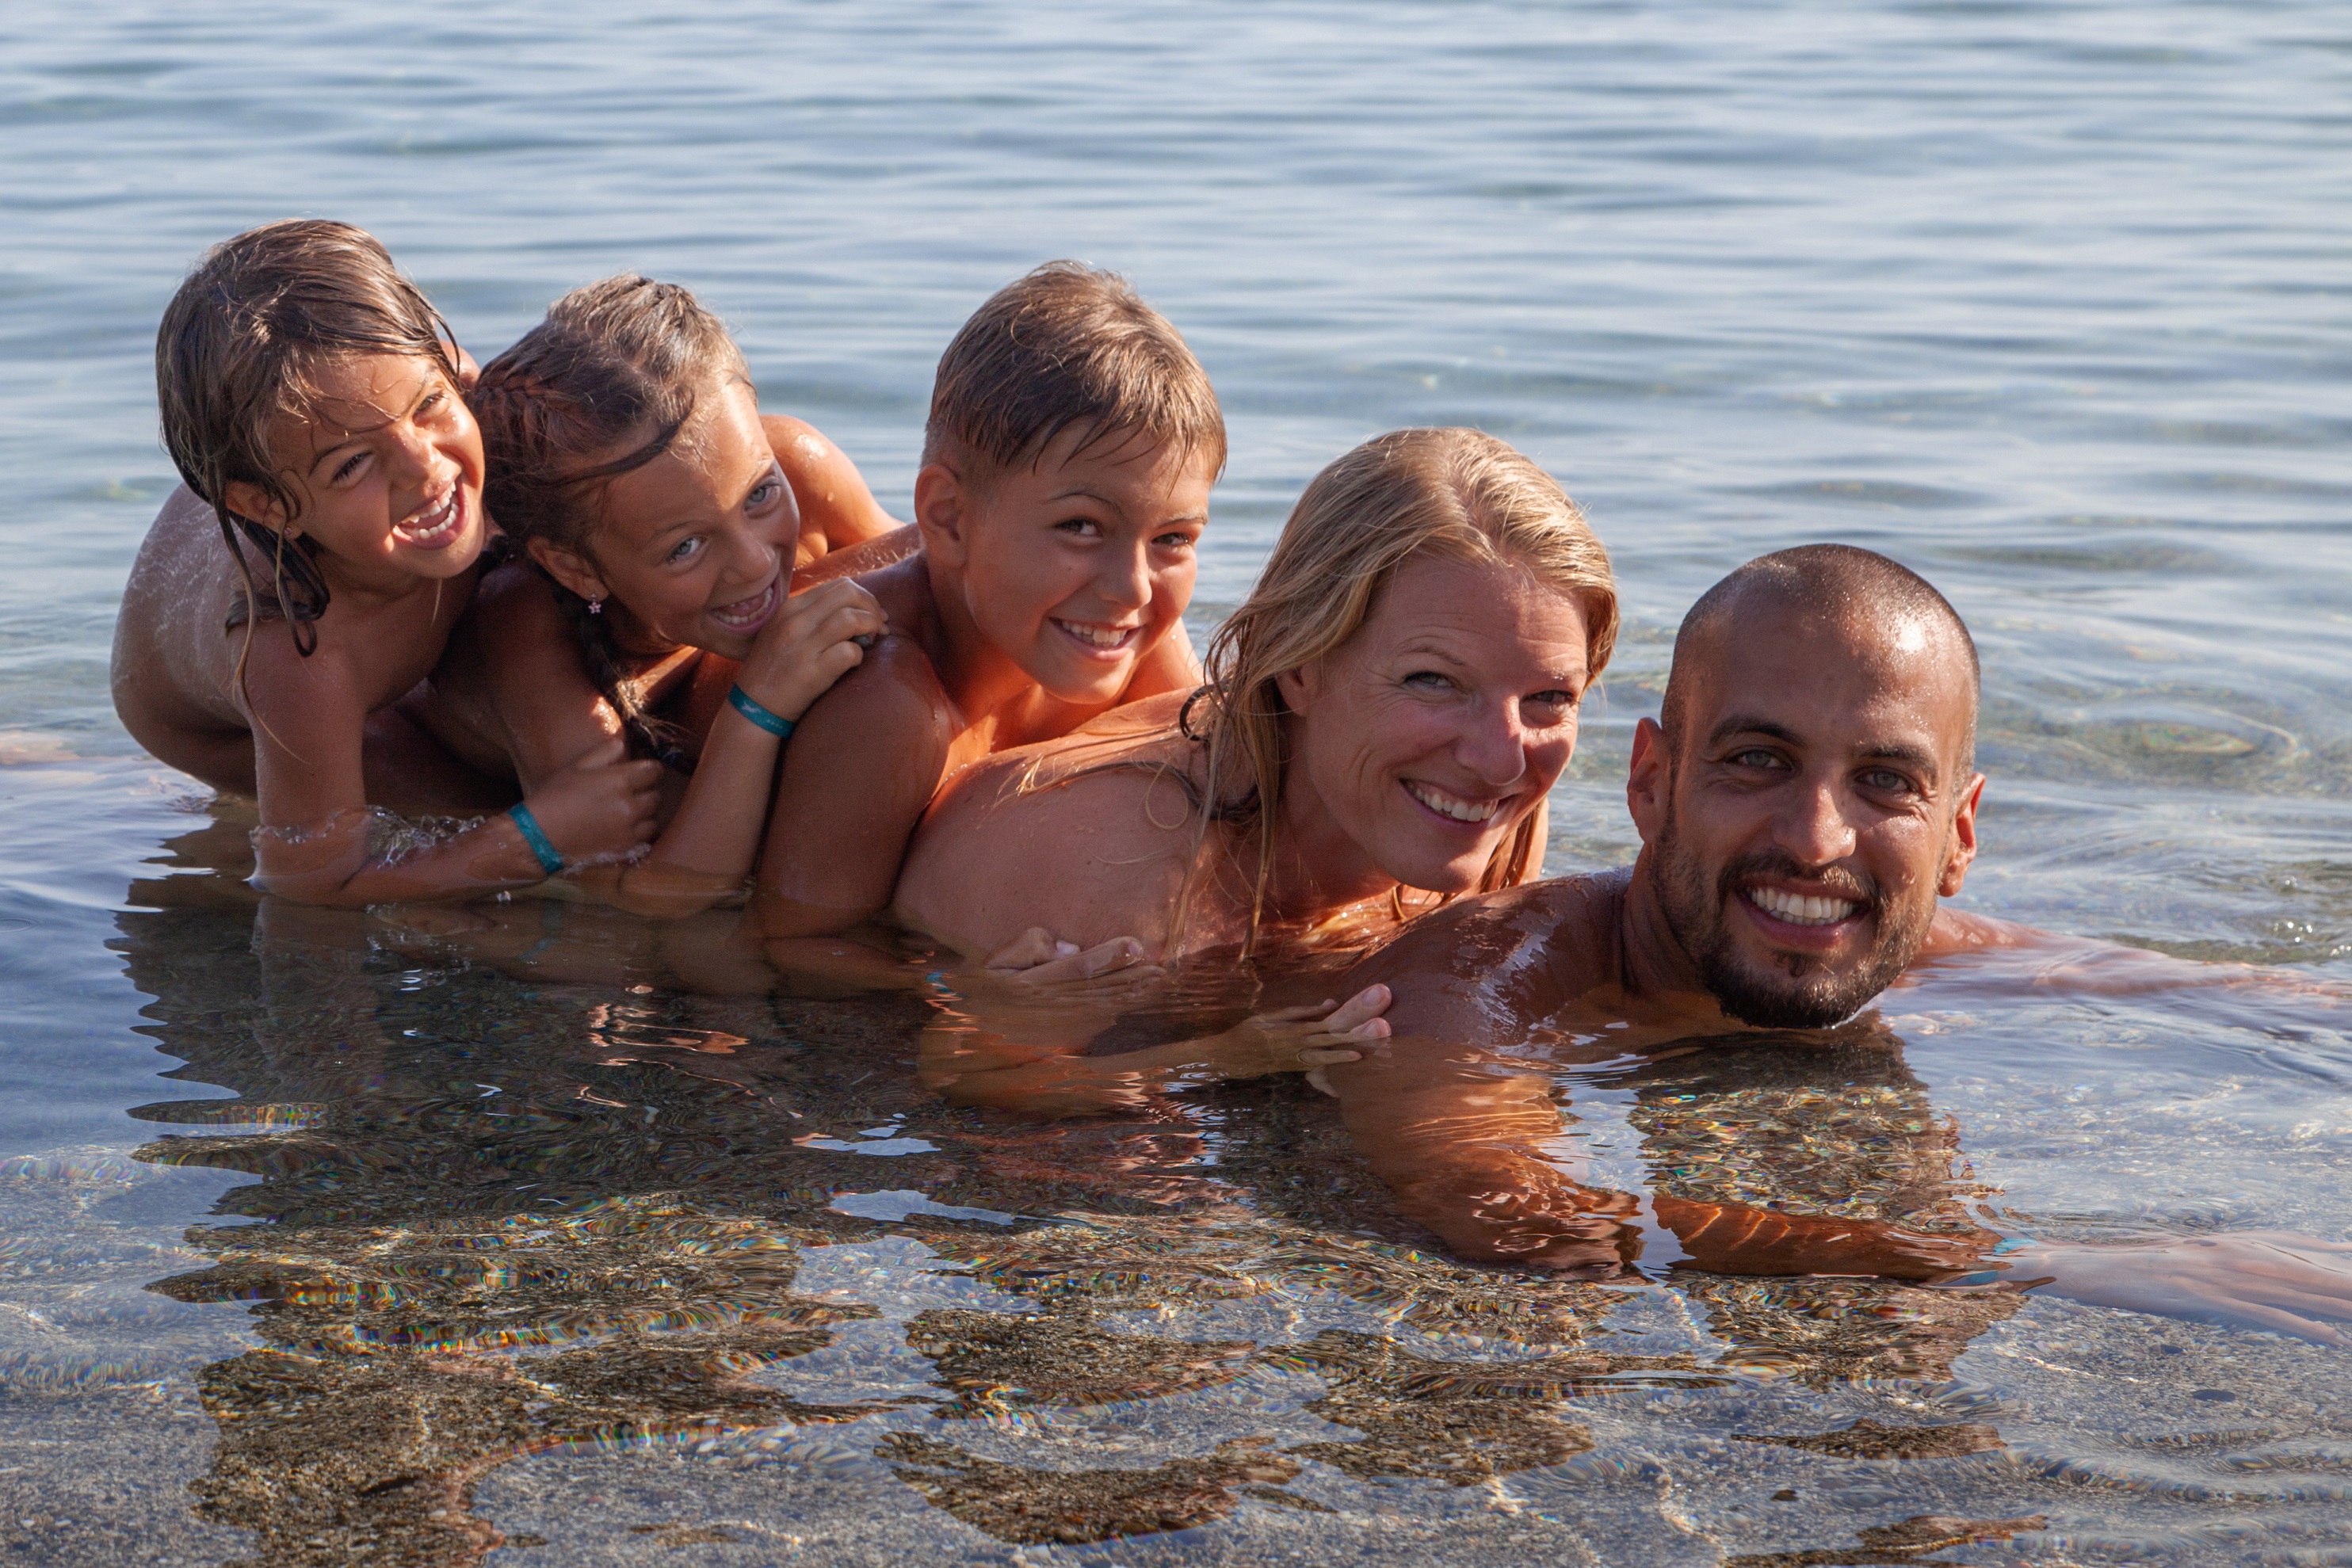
column 1835, row 882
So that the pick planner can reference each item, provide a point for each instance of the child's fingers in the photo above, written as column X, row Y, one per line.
column 1365, row 1005
column 1103, row 958
column 1033, row 946
column 604, row 754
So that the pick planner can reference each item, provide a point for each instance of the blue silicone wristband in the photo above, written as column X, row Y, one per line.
column 743, row 703
column 536, row 836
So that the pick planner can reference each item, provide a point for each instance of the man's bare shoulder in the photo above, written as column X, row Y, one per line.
column 1504, row 959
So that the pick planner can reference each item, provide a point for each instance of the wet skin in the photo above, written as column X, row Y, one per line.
column 1418, row 747
column 385, row 475
column 690, row 559
column 1043, row 598
column 1818, row 760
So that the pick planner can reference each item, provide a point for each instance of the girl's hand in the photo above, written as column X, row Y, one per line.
column 1300, row 1040
column 811, row 643
column 600, row 806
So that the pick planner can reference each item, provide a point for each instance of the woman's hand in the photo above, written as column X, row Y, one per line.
column 1299, row 1039
column 2253, row 1279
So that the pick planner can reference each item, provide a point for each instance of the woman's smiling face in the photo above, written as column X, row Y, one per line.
column 693, row 549
column 1427, row 737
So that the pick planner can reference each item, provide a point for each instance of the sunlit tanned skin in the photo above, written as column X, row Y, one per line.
column 1043, row 596
column 1808, row 799
column 1420, row 745
column 385, row 476
column 691, row 561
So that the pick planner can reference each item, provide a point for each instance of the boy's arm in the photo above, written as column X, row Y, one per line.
column 859, row 772
column 837, row 510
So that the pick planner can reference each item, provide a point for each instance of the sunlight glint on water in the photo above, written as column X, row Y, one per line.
column 2048, row 301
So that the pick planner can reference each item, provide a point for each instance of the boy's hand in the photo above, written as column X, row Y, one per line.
column 812, row 642
column 600, row 806
column 1300, row 1040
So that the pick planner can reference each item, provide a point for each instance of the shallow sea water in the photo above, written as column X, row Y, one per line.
column 332, row 1238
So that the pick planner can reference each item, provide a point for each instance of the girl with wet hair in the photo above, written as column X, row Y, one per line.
column 659, row 518
column 287, row 603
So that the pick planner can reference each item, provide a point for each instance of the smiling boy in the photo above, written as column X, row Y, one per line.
column 1072, row 443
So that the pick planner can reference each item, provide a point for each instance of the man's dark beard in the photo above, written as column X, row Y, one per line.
column 1812, row 997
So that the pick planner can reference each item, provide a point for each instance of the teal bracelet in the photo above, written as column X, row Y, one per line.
column 743, row 703
column 536, row 836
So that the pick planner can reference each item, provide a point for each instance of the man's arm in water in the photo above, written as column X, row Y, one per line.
column 1470, row 1139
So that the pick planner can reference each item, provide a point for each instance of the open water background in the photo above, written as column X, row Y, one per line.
column 2051, row 301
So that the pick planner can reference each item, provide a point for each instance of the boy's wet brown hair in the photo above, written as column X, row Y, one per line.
column 1068, row 346
column 239, row 345
column 604, row 385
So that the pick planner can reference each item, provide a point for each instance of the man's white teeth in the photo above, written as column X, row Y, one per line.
column 1104, row 637
column 1453, row 806
column 1800, row 909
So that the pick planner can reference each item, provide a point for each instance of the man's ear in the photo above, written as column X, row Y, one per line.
column 1963, row 848
column 1649, row 780
column 942, row 511
column 247, row 499
column 570, row 568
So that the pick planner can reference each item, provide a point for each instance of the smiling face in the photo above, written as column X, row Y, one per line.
column 1424, row 741
column 386, row 468
column 1074, row 568
column 691, row 549
column 1799, row 830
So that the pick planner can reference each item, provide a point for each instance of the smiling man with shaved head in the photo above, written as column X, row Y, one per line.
column 1806, row 796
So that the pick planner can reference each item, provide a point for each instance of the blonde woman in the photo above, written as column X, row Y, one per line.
column 1380, row 725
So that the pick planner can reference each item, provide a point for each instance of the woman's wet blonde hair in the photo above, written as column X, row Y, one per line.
column 1459, row 494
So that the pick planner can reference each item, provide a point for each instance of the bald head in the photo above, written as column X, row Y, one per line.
column 1875, row 602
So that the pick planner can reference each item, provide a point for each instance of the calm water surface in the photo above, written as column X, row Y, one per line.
column 442, row 1245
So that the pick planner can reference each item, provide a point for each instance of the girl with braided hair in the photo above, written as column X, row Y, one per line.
column 311, row 402
column 659, row 519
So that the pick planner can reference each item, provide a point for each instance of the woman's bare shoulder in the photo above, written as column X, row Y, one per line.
column 1086, row 836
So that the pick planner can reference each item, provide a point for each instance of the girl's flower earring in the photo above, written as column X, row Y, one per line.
column 596, row 605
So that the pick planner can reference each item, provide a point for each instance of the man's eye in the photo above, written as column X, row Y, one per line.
column 684, row 550
column 1887, row 781
column 1754, row 757
column 1081, row 527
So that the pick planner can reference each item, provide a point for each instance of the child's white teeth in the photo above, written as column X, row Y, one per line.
column 1454, row 806
column 1800, row 909
column 1096, row 636
column 744, row 610
column 427, row 521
